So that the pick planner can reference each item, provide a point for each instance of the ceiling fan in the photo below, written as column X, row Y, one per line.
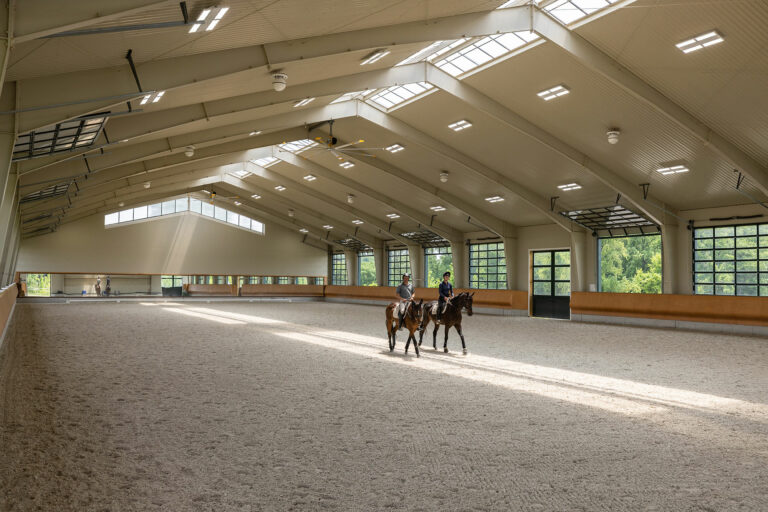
column 331, row 144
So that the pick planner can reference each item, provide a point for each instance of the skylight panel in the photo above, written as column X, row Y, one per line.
column 697, row 43
column 65, row 136
column 152, row 97
column 395, row 148
column 208, row 18
column 374, row 57
column 357, row 222
column 279, row 188
column 437, row 208
column 265, row 162
column 482, row 51
column 554, row 92
column 303, row 230
column 494, row 199
column 459, row 125
column 256, row 196
column 241, row 173
column 393, row 216
column 346, row 165
column 569, row 186
column 397, row 94
column 328, row 227
column 310, row 177
column 568, row 11
column 673, row 169
column 419, row 55
column 349, row 96
column 305, row 101
column 298, row 146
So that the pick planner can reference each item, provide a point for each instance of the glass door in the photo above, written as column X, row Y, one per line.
column 551, row 284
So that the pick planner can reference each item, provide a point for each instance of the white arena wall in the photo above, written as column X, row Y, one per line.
column 174, row 244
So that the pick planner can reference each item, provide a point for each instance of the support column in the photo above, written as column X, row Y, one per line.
column 9, row 258
column 9, row 200
column 670, row 258
column 352, row 263
column 460, row 266
column 578, row 261
column 416, row 255
column 380, row 263
column 510, row 259
column 329, row 267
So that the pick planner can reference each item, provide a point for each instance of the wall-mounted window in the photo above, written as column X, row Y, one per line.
column 487, row 266
column 366, row 268
column 437, row 261
column 267, row 280
column 301, row 280
column 181, row 205
column 283, row 280
column 170, row 281
column 398, row 263
column 630, row 264
column 731, row 260
column 320, row 281
column 339, row 267
column 38, row 285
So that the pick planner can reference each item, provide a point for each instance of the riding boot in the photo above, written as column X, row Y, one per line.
column 402, row 321
column 439, row 312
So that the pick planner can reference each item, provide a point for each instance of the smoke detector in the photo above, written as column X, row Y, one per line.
column 121, row 204
column 444, row 176
column 291, row 212
column 350, row 198
column 147, row 184
column 613, row 136
column 189, row 151
column 279, row 81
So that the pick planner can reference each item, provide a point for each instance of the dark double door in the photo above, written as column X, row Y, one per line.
column 551, row 286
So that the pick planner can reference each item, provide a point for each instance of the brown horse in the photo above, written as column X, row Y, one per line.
column 412, row 321
column 451, row 318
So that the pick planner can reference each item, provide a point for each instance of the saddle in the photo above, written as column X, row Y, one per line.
column 433, row 310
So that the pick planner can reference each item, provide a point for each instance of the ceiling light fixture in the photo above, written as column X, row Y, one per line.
column 698, row 42
column 613, row 135
column 459, row 125
column 279, row 188
column 303, row 230
column 202, row 19
column 238, row 203
column 153, row 97
column 569, row 186
column 395, row 148
column 305, row 101
column 673, row 169
column 346, row 165
column 444, row 176
column 147, row 184
column 554, row 92
column 257, row 132
column 310, row 177
column 437, row 208
column 291, row 212
column 279, row 81
column 328, row 227
column 350, row 198
column 189, row 151
column 375, row 56
column 357, row 222
column 256, row 196
column 393, row 216
column 494, row 199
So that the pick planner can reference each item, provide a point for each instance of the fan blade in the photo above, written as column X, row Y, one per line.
column 350, row 144
column 336, row 154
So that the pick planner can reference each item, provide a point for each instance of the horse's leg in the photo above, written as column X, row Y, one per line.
column 408, row 343
column 445, row 345
column 463, row 345
column 415, row 345
column 422, row 328
column 434, row 336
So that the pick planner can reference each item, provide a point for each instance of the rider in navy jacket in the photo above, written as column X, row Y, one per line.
column 446, row 294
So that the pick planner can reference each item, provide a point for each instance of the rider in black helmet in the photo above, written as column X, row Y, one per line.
column 446, row 294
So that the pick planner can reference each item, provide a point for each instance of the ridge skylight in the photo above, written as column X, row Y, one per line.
column 265, row 162
column 482, row 51
column 568, row 11
column 397, row 94
column 297, row 146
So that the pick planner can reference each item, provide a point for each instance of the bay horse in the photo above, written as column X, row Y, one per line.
column 451, row 318
column 412, row 322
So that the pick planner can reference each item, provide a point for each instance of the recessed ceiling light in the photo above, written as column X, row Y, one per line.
column 254, row 133
column 303, row 230
column 328, row 227
column 305, row 101
column 206, row 18
column 152, row 97
column 310, row 177
column 437, row 208
column 374, row 57
column 569, row 186
column 357, row 221
column 394, row 148
column 346, row 165
column 238, row 203
column 256, row 196
column 462, row 124
column 673, row 169
column 494, row 199
column 279, row 188
column 699, row 42
column 393, row 216
column 554, row 92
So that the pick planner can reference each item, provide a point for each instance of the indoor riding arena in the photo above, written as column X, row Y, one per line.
column 372, row 255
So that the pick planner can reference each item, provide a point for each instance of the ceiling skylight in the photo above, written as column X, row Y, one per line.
column 437, row 208
column 297, row 146
column 375, row 57
column 305, row 101
column 328, row 227
column 395, row 148
column 241, row 173
column 256, row 196
column 69, row 135
column 279, row 188
column 265, row 162
column 699, row 42
column 481, row 51
column 209, row 18
column 152, row 97
column 459, row 125
column 238, row 203
column 350, row 96
column 393, row 216
column 673, row 169
column 554, row 92
column 303, row 230
column 397, row 94
column 310, row 177
column 568, row 11
column 357, row 222
column 494, row 199
column 569, row 186
column 346, row 165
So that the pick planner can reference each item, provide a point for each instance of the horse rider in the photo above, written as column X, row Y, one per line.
column 405, row 293
column 446, row 294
